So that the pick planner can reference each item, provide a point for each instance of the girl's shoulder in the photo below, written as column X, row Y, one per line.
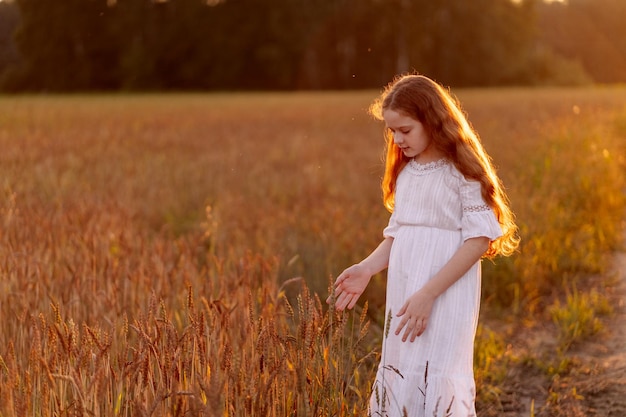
column 456, row 180
column 454, row 172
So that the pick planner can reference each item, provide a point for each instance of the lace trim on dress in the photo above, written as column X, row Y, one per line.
column 423, row 169
column 474, row 209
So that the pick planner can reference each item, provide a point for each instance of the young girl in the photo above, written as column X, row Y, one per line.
column 449, row 210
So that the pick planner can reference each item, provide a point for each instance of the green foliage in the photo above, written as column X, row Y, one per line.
column 74, row 45
column 491, row 362
column 272, row 44
column 579, row 316
column 567, row 221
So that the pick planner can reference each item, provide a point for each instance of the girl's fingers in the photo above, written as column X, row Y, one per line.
column 404, row 320
column 412, row 328
column 346, row 300
column 402, row 311
column 338, row 283
column 336, row 293
column 353, row 302
column 419, row 329
column 401, row 325
column 340, row 278
column 339, row 300
column 342, row 301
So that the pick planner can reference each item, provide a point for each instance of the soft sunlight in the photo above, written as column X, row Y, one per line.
column 545, row 1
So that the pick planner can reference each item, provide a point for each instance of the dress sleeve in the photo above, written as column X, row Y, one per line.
column 392, row 227
column 478, row 218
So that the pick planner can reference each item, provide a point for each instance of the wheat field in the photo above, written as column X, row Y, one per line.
column 167, row 254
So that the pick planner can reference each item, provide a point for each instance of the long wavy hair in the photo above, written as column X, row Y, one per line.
column 440, row 113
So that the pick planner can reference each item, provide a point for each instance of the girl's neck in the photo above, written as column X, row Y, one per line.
column 430, row 154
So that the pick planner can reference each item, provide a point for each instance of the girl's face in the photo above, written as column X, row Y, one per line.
column 409, row 135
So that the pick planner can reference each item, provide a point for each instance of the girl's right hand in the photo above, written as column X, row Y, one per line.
column 349, row 286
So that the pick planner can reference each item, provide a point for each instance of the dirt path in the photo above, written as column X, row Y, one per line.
column 604, row 392
column 593, row 381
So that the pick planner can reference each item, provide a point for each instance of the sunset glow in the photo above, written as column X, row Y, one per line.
column 545, row 1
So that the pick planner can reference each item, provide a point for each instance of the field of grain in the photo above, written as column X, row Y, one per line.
column 166, row 254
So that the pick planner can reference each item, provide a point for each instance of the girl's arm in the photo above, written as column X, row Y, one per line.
column 416, row 310
column 351, row 283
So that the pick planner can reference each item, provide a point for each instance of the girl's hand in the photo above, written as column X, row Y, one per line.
column 415, row 313
column 349, row 286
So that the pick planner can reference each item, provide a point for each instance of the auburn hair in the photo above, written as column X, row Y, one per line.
column 440, row 114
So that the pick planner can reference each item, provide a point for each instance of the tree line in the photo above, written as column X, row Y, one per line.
column 78, row 45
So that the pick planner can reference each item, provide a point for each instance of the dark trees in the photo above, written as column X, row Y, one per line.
column 68, row 45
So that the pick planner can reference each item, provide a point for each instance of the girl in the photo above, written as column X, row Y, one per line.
column 449, row 210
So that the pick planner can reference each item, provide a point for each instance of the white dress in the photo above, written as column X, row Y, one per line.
column 436, row 210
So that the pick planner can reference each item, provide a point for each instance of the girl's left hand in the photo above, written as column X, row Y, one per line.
column 415, row 313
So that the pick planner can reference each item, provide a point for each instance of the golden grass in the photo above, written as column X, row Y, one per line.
column 148, row 244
